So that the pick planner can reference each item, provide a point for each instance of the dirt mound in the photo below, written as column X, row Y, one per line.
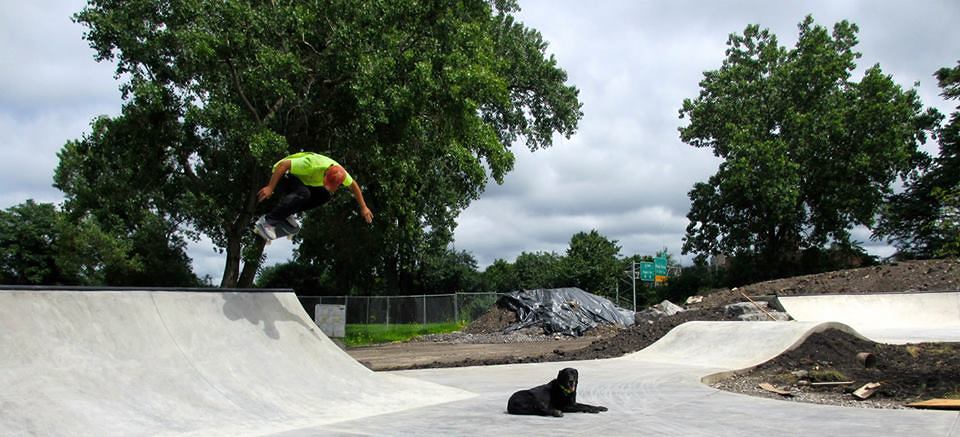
column 899, row 277
column 495, row 320
column 907, row 373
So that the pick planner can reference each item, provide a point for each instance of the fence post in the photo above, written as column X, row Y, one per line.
column 456, row 308
column 388, row 310
column 424, row 309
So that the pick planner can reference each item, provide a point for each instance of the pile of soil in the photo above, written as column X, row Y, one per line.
column 495, row 320
column 906, row 373
column 897, row 277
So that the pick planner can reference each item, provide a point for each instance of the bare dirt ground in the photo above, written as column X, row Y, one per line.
column 907, row 373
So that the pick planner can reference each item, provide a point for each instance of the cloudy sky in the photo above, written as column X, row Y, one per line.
column 625, row 172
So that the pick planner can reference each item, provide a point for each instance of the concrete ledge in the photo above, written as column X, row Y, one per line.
column 166, row 289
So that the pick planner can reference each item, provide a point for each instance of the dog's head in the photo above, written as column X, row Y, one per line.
column 567, row 380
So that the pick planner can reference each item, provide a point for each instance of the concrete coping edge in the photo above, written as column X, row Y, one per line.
column 155, row 289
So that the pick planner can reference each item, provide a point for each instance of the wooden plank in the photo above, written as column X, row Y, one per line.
column 758, row 306
column 816, row 384
column 937, row 404
column 770, row 388
column 866, row 390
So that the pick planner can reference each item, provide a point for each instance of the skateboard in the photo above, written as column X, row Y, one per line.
column 285, row 228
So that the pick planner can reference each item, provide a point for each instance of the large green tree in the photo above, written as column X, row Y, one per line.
column 136, row 203
column 591, row 263
column 449, row 271
column 807, row 153
column 420, row 100
column 539, row 270
column 499, row 277
column 924, row 220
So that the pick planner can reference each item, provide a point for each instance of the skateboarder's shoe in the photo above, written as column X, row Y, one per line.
column 265, row 230
column 271, row 230
column 293, row 221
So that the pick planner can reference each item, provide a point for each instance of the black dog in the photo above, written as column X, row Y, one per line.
column 551, row 399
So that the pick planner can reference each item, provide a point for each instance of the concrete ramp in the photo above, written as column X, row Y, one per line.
column 731, row 345
column 885, row 317
column 129, row 362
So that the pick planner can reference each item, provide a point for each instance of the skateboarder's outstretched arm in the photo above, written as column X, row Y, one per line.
column 278, row 173
column 357, row 194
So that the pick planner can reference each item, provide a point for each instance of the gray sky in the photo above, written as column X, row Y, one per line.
column 625, row 172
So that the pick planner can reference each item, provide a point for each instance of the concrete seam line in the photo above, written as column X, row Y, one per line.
column 955, row 429
column 185, row 356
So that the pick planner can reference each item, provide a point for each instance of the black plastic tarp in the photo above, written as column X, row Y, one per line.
column 569, row 311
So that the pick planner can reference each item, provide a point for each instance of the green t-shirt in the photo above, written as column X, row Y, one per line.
column 310, row 167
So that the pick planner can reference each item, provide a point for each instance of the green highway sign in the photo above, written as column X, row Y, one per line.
column 660, row 266
column 647, row 271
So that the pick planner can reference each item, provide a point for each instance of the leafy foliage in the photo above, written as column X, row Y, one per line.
column 500, row 277
column 137, row 203
column 591, row 262
column 922, row 221
column 539, row 270
column 40, row 245
column 303, row 278
column 450, row 271
column 807, row 153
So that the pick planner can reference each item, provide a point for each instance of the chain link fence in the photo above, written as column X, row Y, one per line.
column 427, row 308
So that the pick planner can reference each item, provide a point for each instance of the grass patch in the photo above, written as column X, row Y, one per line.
column 930, row 349
column 363, row 335
column 827, row 375
column 786, row 378
column 913, row 350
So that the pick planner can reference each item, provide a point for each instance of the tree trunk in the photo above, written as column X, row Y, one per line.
column 232, row 278
column 231, row 269
column 252, row 264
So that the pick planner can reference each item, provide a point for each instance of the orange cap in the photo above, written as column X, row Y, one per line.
column 334, row 177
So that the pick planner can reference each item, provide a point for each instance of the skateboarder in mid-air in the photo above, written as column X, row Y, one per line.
column 305, row 180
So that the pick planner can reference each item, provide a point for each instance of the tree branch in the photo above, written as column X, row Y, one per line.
column 236, row 81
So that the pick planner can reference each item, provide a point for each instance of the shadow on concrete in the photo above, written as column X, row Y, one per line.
column 262, row 307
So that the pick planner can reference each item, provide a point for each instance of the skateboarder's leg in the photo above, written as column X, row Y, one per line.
column 295, row 196
column 318, row 197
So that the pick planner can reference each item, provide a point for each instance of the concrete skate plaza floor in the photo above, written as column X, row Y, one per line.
column 215, row 362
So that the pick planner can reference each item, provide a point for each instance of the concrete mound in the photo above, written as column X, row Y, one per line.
column 885, row 317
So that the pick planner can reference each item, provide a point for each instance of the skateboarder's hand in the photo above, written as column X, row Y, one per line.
column 367, row 215
column 264, row 193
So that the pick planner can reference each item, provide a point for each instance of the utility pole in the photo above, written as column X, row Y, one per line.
column 633, row 273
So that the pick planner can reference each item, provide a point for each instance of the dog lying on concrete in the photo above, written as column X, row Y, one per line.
column 551, row 399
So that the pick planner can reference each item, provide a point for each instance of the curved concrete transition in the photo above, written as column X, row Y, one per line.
column 894, row 318
column 731, row 345
column 104, row 363
column 229, row 363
